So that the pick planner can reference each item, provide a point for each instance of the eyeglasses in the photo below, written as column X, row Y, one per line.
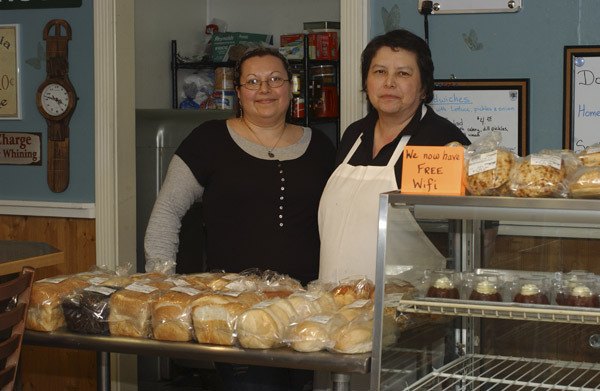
column 273, row 82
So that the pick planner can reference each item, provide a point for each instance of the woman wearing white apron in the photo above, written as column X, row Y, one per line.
column 397, row 76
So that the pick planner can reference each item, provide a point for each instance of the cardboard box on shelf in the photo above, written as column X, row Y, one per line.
column 292, row 46
column 323, row 46
column 230, row 46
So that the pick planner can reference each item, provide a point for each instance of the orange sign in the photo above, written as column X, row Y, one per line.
column 433, row 170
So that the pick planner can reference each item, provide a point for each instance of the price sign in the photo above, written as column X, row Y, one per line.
column 9, row 73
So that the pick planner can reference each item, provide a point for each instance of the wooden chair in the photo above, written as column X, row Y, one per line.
column 14, row 296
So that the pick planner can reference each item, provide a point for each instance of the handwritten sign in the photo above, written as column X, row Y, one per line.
column 20, row 148
column 479, row 107
column 432, row 170
column 9, row 68
column 584, row 109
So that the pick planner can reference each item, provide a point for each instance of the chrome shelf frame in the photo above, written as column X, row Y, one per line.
column 495, row 310
column 476, row 371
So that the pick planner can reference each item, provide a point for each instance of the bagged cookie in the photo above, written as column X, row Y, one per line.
column 542, row 174
column 585, row 183
column 488, row 166
column 590, row 156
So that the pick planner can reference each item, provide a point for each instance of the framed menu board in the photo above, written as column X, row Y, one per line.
column 479, row 107
column 10, row 104
column 581, row 122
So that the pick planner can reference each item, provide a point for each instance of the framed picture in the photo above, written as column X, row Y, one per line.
column 10, row 99
column 581, row 120
column 481, row 106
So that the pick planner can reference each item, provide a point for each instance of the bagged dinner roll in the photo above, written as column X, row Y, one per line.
column 351, row 289
column 488, row 167
column 45, row 311
column 355, row 336
column 263, row 325
column 585, row 182
column 313, row 333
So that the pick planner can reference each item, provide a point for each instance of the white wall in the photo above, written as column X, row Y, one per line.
column 157, row 22
column 273, row 16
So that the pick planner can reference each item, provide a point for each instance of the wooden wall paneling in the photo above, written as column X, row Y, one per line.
column 51, row 368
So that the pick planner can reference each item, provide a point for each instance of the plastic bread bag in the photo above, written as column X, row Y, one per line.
column 263, row 325
column 590, row 156
column 396, row 290
column 351, row 289
column 314, row 333
column 488, row 166
column 311, row 303
column 45, row 310
column 275, row 284
column 541, row 174
column 585, row 182
column 171, row 314
column 130, row 309
column 161, row 266
column 355, row 336
column 214, row 315
column 86, row 310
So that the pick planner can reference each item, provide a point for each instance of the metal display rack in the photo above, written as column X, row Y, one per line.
column 465, row 364
column 495, row 310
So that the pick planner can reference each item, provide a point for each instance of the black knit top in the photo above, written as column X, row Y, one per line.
column 258, row 213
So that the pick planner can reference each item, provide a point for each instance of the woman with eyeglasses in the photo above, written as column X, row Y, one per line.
column 260, row 179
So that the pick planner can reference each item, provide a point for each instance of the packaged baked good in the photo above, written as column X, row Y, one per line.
column 531, row 290
column 356, row 336
column 275, row 284
column 130, row 310
column 86, row 310
column 351, row 289
column 443, row 284
column 45, row 311
column 590, row 157
column 262, row 326
column 585, row 182
column 486, row 287
column 171, row 314
column 214, row 315
column 488, row 166
column 540, row 175
column 313, row 333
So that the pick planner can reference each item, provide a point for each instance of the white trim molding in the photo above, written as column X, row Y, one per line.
column 354, row 20
column 47, row 209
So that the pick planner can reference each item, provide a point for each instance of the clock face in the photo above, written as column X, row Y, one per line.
column 55, row 99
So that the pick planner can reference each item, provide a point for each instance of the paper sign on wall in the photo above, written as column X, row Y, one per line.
column 432, row 170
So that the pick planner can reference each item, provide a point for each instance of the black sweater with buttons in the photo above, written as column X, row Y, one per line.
column 258, row 213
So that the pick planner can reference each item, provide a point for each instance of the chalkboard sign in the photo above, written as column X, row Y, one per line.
column 479, row 107
column 581, row 97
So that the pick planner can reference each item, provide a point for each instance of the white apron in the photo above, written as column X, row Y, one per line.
column 348, row 225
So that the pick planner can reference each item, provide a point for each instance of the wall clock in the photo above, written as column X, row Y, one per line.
column 56, row 100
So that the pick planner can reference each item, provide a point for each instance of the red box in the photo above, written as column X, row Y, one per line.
column 291, row 39
column 323, row 45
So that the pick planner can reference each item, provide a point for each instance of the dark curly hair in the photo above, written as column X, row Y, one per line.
column 259, row 52
column 401, row 39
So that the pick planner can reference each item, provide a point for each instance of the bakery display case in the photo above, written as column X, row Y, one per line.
column 536, row 257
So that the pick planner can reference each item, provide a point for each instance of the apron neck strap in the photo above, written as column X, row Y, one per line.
column 398, row 151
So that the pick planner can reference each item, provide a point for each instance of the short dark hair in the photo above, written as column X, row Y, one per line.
column 401, row 39
column 259, row 52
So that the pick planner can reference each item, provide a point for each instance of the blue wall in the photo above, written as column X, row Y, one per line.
column 526, row 44
column 29, row 182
